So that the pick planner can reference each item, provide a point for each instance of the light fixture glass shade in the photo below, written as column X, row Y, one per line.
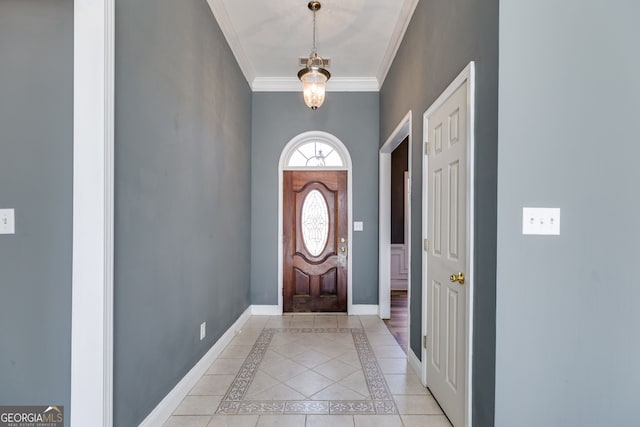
column 314, row 81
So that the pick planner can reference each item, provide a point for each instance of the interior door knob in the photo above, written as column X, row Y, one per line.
column 457, row 278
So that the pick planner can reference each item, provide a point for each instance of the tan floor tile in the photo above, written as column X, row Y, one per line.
column 290, row 349
column 277, row 392
column 350, row 358
column 187, row 421
column 245, row 338
column 255, row 322
column 349, row 322
column 279, row 322
column 380, row 339
column 311, row 358
column 329, row 421
column 357, row 383
column 270, row 357
column 302, row 323
column 377, row 421
column 283, row 370
column 261, row 382
column 425, row 421
column 309, row 383
column 335, row 370
column 236, row 352
column 405, row 384
column 333, row 349
column 281, row 421
column 198, row 405
column 283, row 339
column 233, row 421
column 212, row 385
column 394, row 366
column 225, row 366
column 338, row 392
column 389, row 351
column 329, row 323
column 417, row 405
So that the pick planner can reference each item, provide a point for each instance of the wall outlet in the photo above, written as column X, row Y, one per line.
column 203, row 330
column 7, row 221
column 544, row 221
column 358, row 226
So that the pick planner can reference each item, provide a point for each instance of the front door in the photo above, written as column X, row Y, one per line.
column 446, row 257
column 315, row 241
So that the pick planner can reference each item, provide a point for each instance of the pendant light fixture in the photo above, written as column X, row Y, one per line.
column 314, row 75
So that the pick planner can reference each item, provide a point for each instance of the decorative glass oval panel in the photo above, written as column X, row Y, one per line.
column 315, row 222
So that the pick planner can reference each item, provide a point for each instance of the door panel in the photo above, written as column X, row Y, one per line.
column 315, row 233
column 446, row 370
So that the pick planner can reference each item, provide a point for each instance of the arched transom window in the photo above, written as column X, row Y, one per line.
column 315, row 154
column 313, row 150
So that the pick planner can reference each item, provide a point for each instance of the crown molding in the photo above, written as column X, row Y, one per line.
column 402, row 23
column 336, row 84
column 222, row 17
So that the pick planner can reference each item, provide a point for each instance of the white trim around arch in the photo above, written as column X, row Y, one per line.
column 402, row 131
column 292, row 145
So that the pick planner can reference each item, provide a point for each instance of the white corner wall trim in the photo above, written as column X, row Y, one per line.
column 165, row 408
column 265, row 310
column 415, row 363
column 364, row 310
column 92, row 265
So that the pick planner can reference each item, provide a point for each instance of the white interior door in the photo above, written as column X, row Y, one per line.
column 446, row 259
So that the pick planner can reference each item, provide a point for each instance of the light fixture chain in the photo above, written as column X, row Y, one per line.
column 315, row 50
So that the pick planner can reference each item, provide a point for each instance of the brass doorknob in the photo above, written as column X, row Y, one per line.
column 457, row 278
column 343, row 249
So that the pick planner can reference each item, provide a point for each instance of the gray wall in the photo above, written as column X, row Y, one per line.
column 441, row 40
column 277, row 118
column 182, row 232
column 568, row 317
column 36, row 130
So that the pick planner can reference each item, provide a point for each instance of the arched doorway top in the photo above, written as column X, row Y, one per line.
column 315, row 150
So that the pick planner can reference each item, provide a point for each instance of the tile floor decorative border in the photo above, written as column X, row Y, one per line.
column 381, row 400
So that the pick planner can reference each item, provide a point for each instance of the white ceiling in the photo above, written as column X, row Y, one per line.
column 360, row 37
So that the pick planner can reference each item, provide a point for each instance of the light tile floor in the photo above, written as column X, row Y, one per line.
column 310, row 371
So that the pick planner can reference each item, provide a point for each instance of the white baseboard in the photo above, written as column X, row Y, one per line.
column 414, row 362
column 265, row 310
column 165, row 408
column 364, row 310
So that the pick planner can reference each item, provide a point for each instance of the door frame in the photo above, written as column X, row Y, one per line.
column 295, row 142
column 467, row 75
column 402, row 131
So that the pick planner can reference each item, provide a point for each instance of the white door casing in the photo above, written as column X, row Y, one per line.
column 402, row 131
column 448, row 224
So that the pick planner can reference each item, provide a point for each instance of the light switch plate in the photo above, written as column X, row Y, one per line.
column 7, row 221
column 358, row 226
column 541, row 221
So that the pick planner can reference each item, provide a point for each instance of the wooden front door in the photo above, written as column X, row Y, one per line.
column 315, row 241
